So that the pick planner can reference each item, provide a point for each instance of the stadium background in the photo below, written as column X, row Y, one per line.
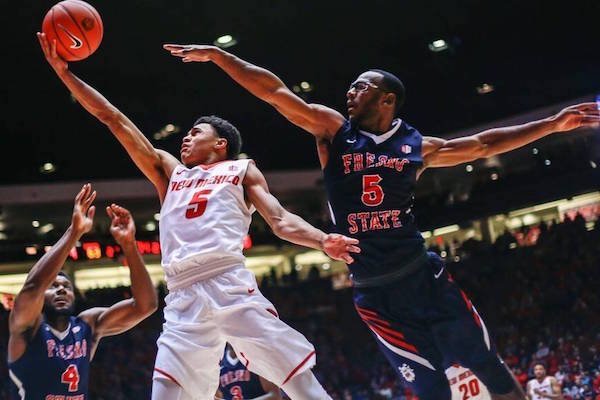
column 519, row 231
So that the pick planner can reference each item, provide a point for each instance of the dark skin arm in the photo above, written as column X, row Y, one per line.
column 124, row 315
column 323, row 122
column 26, row 315
column 438, row 152
column 319, row 120
column 290, row 226
column 157, row 165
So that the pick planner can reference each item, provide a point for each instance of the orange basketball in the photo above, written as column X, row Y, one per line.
column 77, row 28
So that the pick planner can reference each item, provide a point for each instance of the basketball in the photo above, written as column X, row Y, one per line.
column 77, row 28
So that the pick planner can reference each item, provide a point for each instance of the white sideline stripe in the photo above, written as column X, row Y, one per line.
column 331, row 213
column 486, row 335
column 17, row 383
column 406, row 354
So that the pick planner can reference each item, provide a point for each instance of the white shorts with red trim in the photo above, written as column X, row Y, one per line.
column 200, row 318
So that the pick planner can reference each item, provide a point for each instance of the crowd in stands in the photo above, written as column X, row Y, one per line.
column 541, row 303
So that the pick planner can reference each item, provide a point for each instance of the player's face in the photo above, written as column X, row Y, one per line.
column 539, row 371
column 364, row 96
column 198, row 144
column 59, row 296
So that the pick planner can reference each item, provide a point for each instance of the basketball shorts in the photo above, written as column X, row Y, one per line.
column 423, row 323
column 202, row 317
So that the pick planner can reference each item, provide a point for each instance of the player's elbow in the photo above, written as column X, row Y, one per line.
column 109, row 116
column 148, row 307
column 152, row 306
column 280, row 226
column 481, row 150
column 278, row 229
column 274, row 92
column 146, row 311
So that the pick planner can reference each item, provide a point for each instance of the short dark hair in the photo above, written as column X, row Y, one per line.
column 226, row 130
column 392, row 84
column 63, row 273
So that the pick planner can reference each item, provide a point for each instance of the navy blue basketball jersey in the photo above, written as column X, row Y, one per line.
column 237, row 382
column 370, row 181
column 55, row 365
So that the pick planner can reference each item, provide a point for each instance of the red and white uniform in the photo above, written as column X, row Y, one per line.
column 203, row 221
column 213, row 298
column 545, row 386
column 465, row 385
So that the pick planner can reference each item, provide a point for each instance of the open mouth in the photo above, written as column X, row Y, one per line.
column 61, row 301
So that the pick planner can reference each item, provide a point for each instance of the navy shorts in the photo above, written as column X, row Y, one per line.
column 423, row 323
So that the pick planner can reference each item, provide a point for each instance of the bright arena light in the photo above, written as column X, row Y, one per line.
column 485, row 88
column 47, row 168
column 438, row 45
column 225, row 41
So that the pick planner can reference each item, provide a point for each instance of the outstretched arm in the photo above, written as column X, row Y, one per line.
column 125, row 314
column 438, row 152
column 321, row 121
column 28, row 304
column 157, row 165
column 290, row 226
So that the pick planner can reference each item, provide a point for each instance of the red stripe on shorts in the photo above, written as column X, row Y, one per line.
column 273, row 312
column 384, row 329
column 394, row 340
column 167, row 375
column 470, row 308
column 298, row 367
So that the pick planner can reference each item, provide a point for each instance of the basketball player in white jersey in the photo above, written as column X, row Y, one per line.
column 207, row 201
column 542, row 386
column 465, row 385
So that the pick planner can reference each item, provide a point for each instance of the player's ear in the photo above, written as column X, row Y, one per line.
column 221, row 143
column 389, row 98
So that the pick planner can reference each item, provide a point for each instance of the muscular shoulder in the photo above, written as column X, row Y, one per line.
column 90, row 316
column 326, row 122
column 253, row 175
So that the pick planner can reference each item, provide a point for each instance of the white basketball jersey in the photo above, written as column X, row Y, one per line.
column 203, row 221
column 465, row 385
column 545, row 387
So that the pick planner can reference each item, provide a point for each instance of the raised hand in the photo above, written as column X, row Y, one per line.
column 122, row 226
column 192, row 52
column 58, row 64
column 339, row 247
column 83, row 211
column 577, row 116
